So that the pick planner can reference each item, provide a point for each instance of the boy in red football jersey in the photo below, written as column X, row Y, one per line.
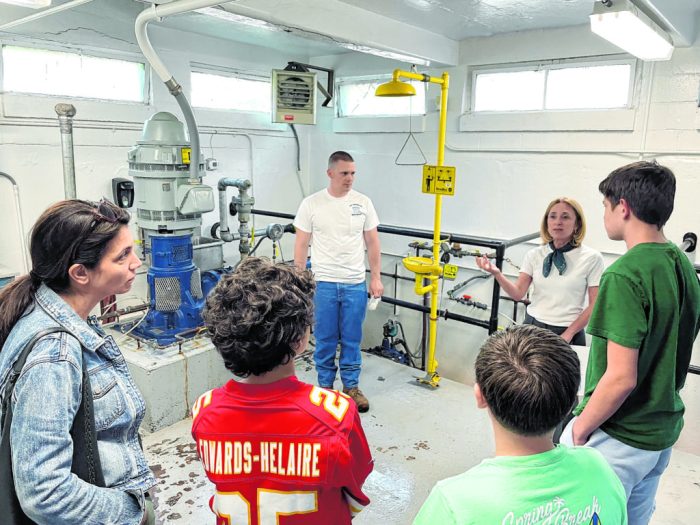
column 278, row 450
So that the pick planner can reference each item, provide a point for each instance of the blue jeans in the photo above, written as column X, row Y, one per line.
column 638, row 470
column 340, row 311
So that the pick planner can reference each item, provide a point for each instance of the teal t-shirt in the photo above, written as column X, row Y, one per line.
column 648, row 299
column 564, row 485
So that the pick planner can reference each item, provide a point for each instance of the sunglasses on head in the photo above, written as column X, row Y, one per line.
column 104, row 212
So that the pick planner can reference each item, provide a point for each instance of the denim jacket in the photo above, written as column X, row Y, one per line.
column 45, row 400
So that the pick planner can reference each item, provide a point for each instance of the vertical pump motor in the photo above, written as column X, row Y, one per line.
column 169, row 206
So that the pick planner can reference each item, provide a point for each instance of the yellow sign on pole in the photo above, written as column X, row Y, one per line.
column 449, row 271
column 438, row 180
column 186, row 153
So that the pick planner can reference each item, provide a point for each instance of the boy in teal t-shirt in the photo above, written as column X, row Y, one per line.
column 644, row 322
column 528, row 377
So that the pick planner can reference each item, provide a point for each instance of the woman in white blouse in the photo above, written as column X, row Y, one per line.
column 563, row 272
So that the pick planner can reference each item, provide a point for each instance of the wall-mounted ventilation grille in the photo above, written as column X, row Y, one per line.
column 293, row 97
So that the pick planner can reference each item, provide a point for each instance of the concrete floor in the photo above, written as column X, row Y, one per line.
column 417, row 437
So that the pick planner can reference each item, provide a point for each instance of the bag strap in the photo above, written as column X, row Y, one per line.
column 86, row 458
column 22, row 359
column 19, row 365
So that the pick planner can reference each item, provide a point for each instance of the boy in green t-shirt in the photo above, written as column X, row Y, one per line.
column 644, row 322
column 527, row 377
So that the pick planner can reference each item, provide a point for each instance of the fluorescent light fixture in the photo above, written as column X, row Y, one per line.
column 621, row 23
column 34, row 4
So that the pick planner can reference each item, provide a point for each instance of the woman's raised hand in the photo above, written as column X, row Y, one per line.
column 486, row 265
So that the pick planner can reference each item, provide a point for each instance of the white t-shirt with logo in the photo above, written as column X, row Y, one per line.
column 337, row 226
column 559, row 299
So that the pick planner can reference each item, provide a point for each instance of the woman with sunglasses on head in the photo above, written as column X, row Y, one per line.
column 563, row 272
column 81, row 253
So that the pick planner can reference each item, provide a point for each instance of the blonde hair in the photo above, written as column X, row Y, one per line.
column 579, row 230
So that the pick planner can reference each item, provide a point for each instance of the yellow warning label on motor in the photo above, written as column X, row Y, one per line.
column 186, row 153
column 439, row 180
column 449, row 271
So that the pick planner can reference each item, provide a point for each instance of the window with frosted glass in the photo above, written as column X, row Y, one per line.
column 357, row 99
column 595, row 87
column 509, row 91
column 231, row 92
column 46, row 72
column 554, row 87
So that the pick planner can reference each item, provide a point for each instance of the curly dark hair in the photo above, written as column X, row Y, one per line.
column 529, row 378
column 256, row 315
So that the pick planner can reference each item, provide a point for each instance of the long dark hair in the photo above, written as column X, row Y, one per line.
column 69, row 232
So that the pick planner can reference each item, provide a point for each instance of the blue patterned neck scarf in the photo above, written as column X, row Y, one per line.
column 556, row 257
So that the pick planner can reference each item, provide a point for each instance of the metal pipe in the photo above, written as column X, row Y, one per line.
column 123, row 311
column 156, row 12
column 647, row 109
column 140, row 28
column 690, row 242
column 431, row 376
column 65, row 113
column 387, row 274
column 445, row 314
column 42, row 14
column 279, row 215
column 243, row 206
column 519, row 240
column 473, row 240
column 496, row 293
column 195, row 152
column 20, row 224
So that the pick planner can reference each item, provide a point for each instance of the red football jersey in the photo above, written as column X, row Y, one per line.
column 285, row 453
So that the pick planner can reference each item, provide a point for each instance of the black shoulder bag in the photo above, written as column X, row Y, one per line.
column 86, row 458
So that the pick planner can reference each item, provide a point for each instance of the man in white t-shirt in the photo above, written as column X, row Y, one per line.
column 339, row 222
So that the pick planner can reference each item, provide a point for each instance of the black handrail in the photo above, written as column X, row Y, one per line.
column 499, row 245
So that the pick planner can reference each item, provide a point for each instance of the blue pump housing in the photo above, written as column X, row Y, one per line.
column 175, row 287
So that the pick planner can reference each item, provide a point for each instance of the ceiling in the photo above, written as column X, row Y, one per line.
column 460, row 19
column 325, row 27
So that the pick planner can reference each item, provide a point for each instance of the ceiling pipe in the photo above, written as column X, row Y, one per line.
column 157, row 12
column 42, row 14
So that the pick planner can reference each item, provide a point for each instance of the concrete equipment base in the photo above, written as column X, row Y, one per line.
column 172, row 378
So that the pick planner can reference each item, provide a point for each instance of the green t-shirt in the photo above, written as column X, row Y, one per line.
column 563, row 485
column 648, row 299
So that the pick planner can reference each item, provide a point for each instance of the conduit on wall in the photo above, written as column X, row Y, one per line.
column 20, row 224
column 156, row 12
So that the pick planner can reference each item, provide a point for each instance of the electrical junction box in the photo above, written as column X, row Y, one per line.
column 195, row 198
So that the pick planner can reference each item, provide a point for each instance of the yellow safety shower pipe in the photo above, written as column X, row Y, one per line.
column 424, row 268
